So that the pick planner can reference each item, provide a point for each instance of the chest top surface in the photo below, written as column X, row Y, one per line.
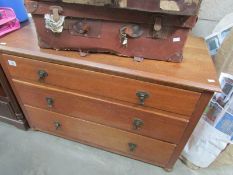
column 196, row 72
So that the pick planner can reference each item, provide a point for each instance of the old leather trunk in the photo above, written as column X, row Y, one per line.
column 124, row 32
column 179, row 7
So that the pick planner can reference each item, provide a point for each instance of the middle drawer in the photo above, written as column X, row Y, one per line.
column 159, row 125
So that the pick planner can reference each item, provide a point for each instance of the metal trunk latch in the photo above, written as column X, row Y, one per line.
column 54, row 21
column 157, row 27
column 56, row 11
column 81, row 27
column 158, row 24
column 129, row 31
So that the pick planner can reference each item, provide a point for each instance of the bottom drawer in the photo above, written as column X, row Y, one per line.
column 111, row 139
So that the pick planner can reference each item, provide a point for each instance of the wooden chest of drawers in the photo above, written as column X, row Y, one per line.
column 144, row 110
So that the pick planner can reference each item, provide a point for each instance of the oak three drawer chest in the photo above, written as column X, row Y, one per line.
column 143, row 110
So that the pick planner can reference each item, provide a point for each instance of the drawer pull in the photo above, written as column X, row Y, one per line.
column 132, row 147
column 142, row 97
column 50, row 102
column 42, row 74
column 57, row 125
column 137, row 123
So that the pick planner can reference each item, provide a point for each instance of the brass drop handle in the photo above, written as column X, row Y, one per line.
column 142, row 96
column 42, row 74
column 57, row 125
column 137, row 123
column 50, row 102
column 132, row 147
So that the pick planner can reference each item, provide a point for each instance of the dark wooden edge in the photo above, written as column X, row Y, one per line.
column 7, row 89
column 16, row 111
column 200, row 107
column 112, row 70
column 17, row 123
column 22, row 112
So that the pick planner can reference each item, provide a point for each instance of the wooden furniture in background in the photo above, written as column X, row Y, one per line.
column 143, row 110
column 10, row 111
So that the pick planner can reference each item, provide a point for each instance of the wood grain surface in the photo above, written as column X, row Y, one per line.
column 201, row 106
column 155, row 124
column 105, row 137
column 103, row 85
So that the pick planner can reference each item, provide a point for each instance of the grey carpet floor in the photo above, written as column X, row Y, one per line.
column 36, row 153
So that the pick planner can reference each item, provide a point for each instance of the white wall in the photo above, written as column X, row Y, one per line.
column 211, row 12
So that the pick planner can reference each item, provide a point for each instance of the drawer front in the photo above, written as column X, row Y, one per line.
column 153, row 124
column 104, row 85
column 132, row 145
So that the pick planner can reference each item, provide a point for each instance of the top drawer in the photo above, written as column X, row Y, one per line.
column 101, row 84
